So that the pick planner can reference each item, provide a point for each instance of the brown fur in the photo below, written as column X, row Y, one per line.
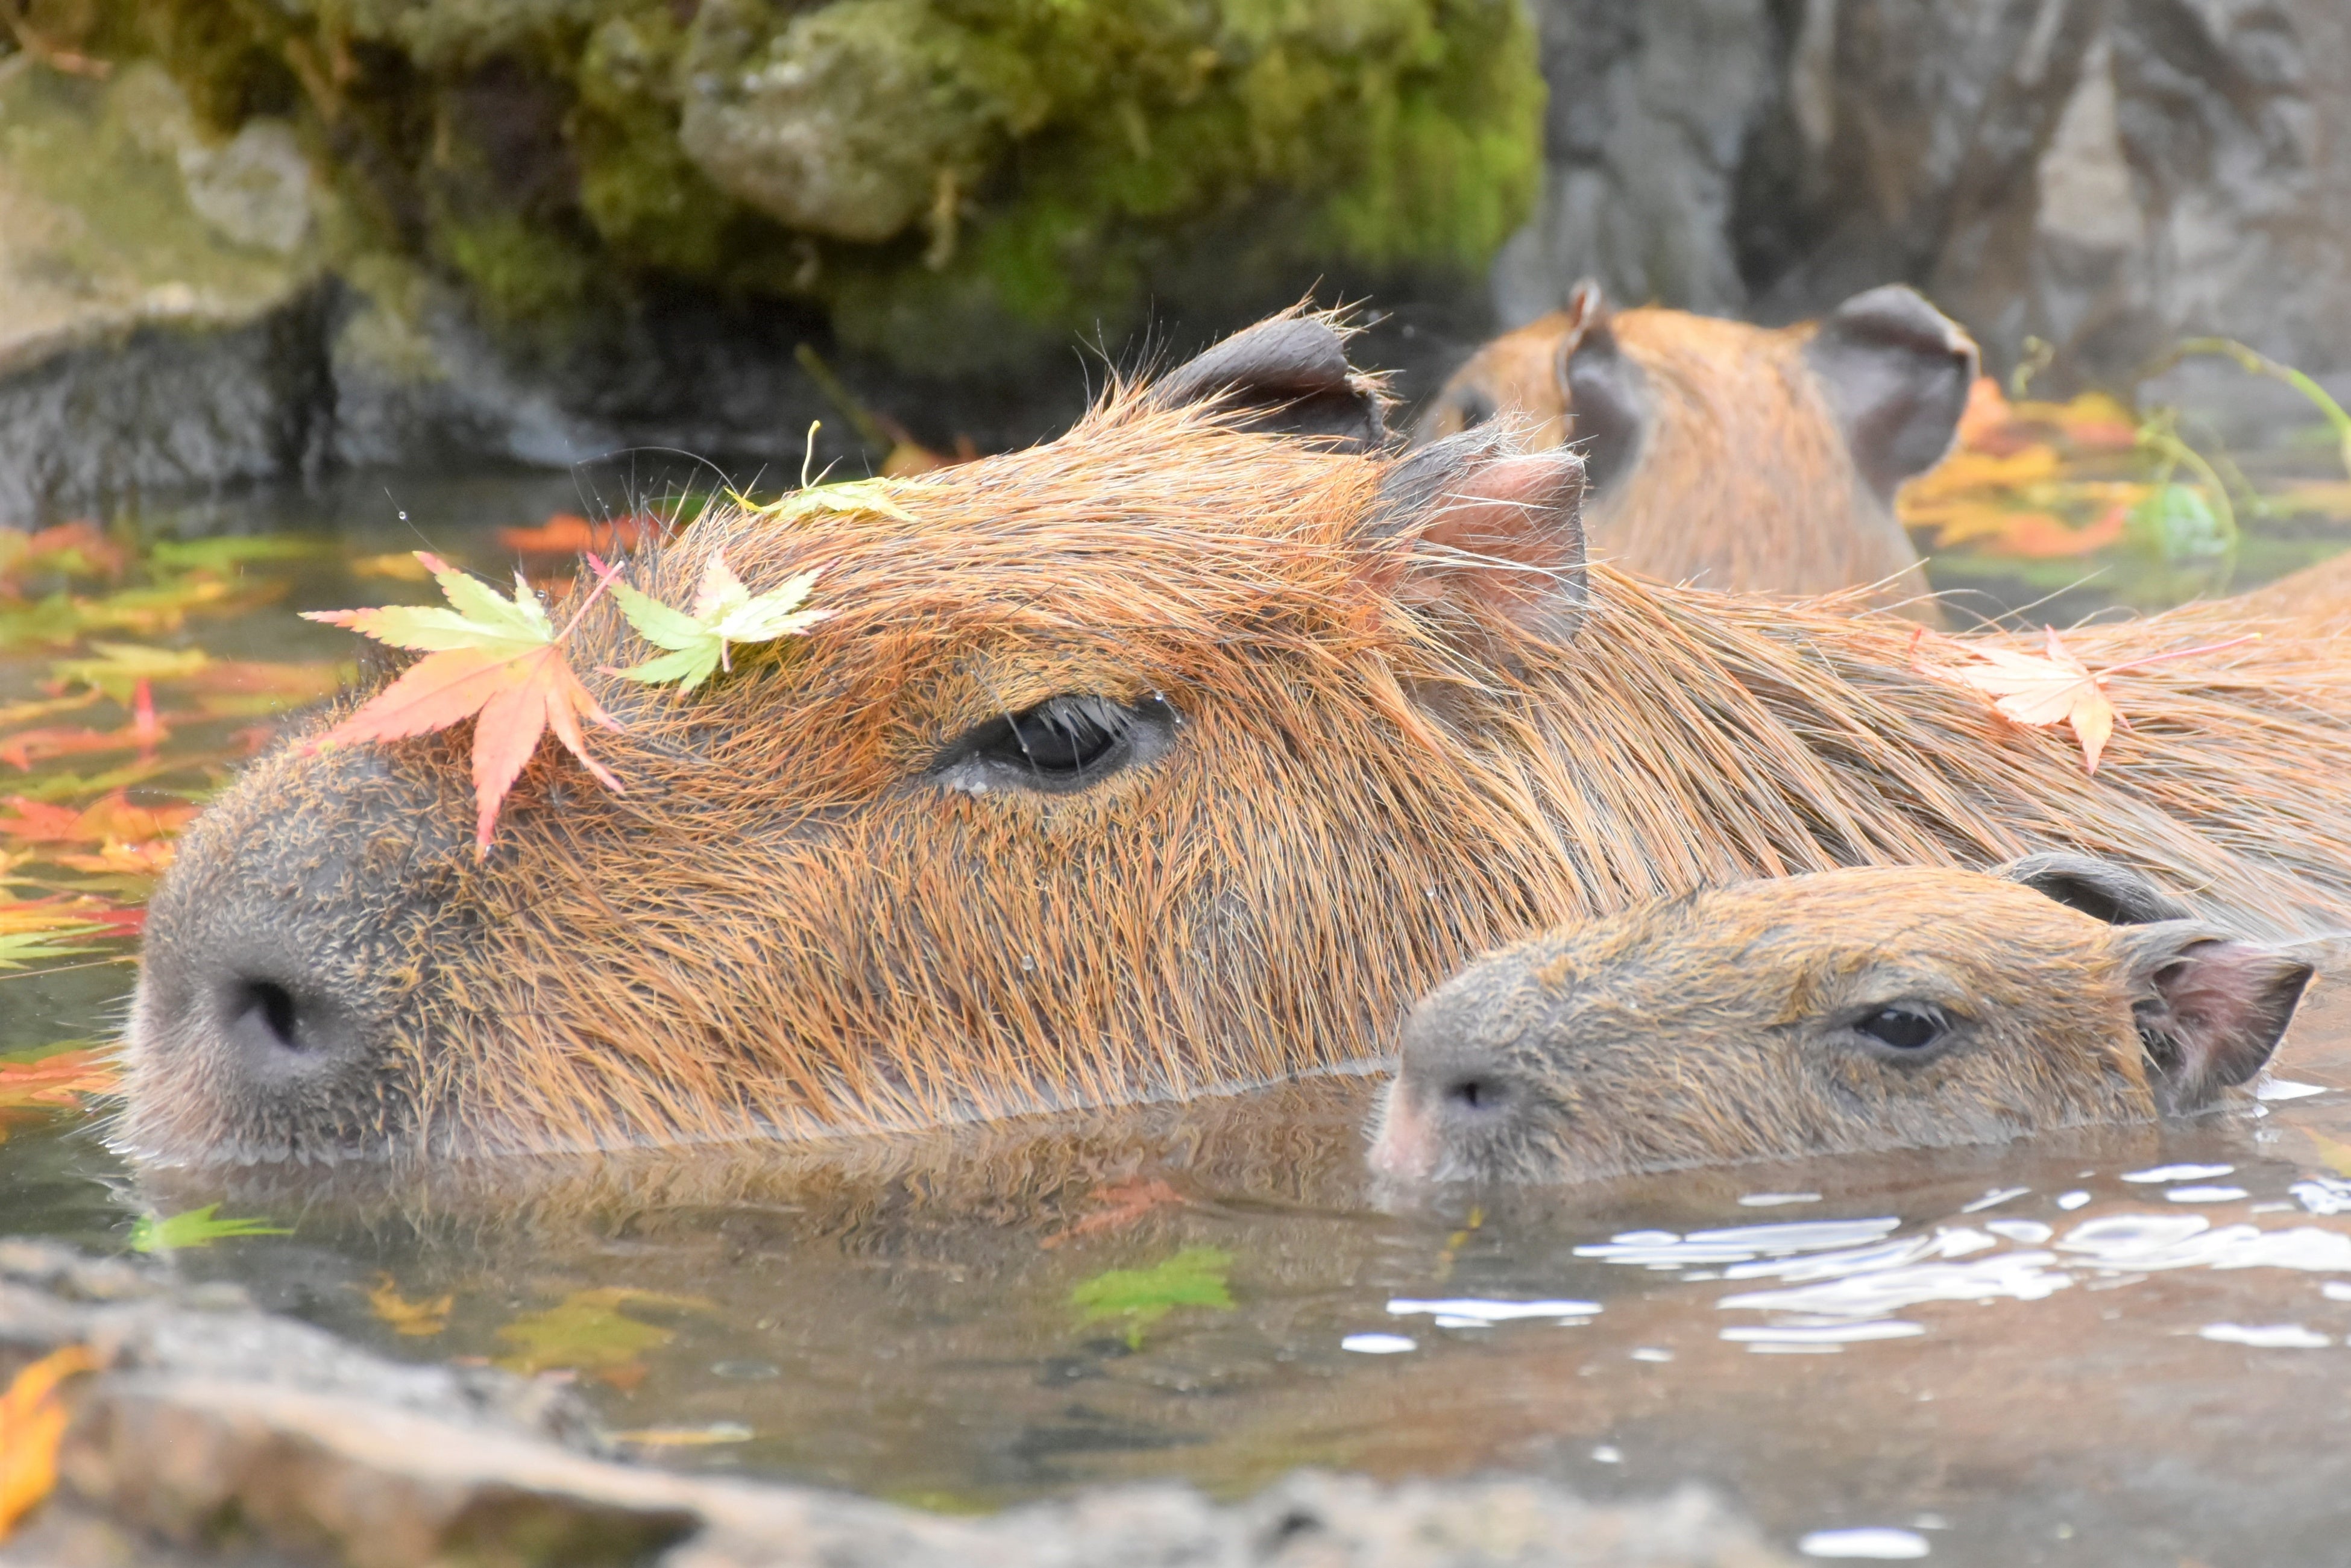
column 1742, row 484
column 786, row 925
column 1734, row 1025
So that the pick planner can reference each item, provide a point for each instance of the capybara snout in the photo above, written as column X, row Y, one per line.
column 1839, row 1012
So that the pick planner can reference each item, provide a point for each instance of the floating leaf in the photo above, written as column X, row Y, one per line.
column 120, row 666
column 32, row 1424
column 724, row 613
column 494, row 660
column 567, row 533
column 2181, row 526
column 1192, row 1277
column 1120, row 1204
column 19, row 948
column 686, row 1437
column 586, row 1332
column 222, row 555
column 61, row 1077
column 197, row 1227
column 417, row 1319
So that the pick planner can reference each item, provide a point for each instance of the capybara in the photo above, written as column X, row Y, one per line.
column 1878, row 1008
column 1176, row 755
column 1736, row 457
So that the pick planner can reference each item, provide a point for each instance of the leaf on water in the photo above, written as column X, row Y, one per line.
column 1118, row 1206
column 586, row 1332
column 222, row 555
column 686, row 1437
column 197, row 1227
column 113, row 818
column 494, row 660
column 724, row 613
column 120, row 666
column 2335, row 1153
column 1192, row 1277
column 32, row 1423
column 20, row 948
column 418, row 1320
column 2052, row 690
column 568, row 533
column 61, row 1079
column 2179, row 523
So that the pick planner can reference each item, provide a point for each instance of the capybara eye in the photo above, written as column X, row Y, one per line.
column 1063, row 742
column 1903, row 1028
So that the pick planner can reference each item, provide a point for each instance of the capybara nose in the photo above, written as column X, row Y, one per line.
column 1483, row 1095
column 280, row 1034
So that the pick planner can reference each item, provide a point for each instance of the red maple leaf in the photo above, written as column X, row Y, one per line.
column 496, row 660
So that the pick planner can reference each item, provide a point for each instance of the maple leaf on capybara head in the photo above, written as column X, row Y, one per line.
column 496, row 660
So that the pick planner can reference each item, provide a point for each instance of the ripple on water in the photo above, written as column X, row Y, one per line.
column 1882, row 1545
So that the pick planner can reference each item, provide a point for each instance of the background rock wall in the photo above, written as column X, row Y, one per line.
column 2107, row 175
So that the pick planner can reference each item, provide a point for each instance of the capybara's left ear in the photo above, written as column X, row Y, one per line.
column 2210, row 1008
column 1290, row 375
column 1896, row 373
column 2099, row 889
column 1472, row 520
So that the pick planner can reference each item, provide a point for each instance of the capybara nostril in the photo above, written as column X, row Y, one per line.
column 1478, row 1094
column 272, row 1028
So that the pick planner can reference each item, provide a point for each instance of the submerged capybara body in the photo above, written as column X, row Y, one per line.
column 1172, row 756
column 1881, row 1007
column 1735, row 457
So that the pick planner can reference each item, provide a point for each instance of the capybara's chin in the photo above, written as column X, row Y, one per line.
column 1844, row 1012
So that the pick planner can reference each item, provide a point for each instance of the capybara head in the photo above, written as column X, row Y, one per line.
column 1741, row 458
column 1178, row 754
column 1850, row 1010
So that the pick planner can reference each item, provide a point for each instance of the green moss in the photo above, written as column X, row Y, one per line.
column 958, row 180
column 525, row 276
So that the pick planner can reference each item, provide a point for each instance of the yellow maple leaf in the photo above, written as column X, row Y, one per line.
column 417, row 1319
column 2057, row 688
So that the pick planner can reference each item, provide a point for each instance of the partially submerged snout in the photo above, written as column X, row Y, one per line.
column 1850, row 1010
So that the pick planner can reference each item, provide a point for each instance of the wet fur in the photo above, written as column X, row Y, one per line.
column 784, row 928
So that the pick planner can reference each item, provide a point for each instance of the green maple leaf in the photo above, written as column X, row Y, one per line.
column 1192, row 1277
column 477, row 617
column 724, row 613
column 197, row 1227
column 18, row 948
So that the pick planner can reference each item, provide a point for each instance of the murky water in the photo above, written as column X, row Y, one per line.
column 2131, row 1346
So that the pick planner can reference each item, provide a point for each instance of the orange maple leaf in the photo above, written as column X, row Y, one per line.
column 2030, row 689
column 32, row 1423
column 496, row 660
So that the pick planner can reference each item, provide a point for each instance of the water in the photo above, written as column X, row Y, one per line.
column 2123, row 1347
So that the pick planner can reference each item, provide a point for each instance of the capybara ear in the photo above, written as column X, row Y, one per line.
column 2210, row 1008
column 2099, row 889
column 1289, row 375
column 1606, row 395
column 1472, row 520
column 1895, row 371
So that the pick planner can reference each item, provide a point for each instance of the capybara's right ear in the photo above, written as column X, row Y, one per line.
column 2210, row 1008
column 1606, row 395
column 1896, row 373
column 1474, row 520
column 1290, row 375
column 2099, row 889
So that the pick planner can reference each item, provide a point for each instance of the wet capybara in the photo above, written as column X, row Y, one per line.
column 1737, row 457
column 1176, row 754
column 1879, row 1008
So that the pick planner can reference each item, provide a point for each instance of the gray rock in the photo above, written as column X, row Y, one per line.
column 2108, row 177
column 216, row 1434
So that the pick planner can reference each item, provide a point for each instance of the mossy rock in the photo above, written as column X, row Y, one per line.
column 957, row 183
